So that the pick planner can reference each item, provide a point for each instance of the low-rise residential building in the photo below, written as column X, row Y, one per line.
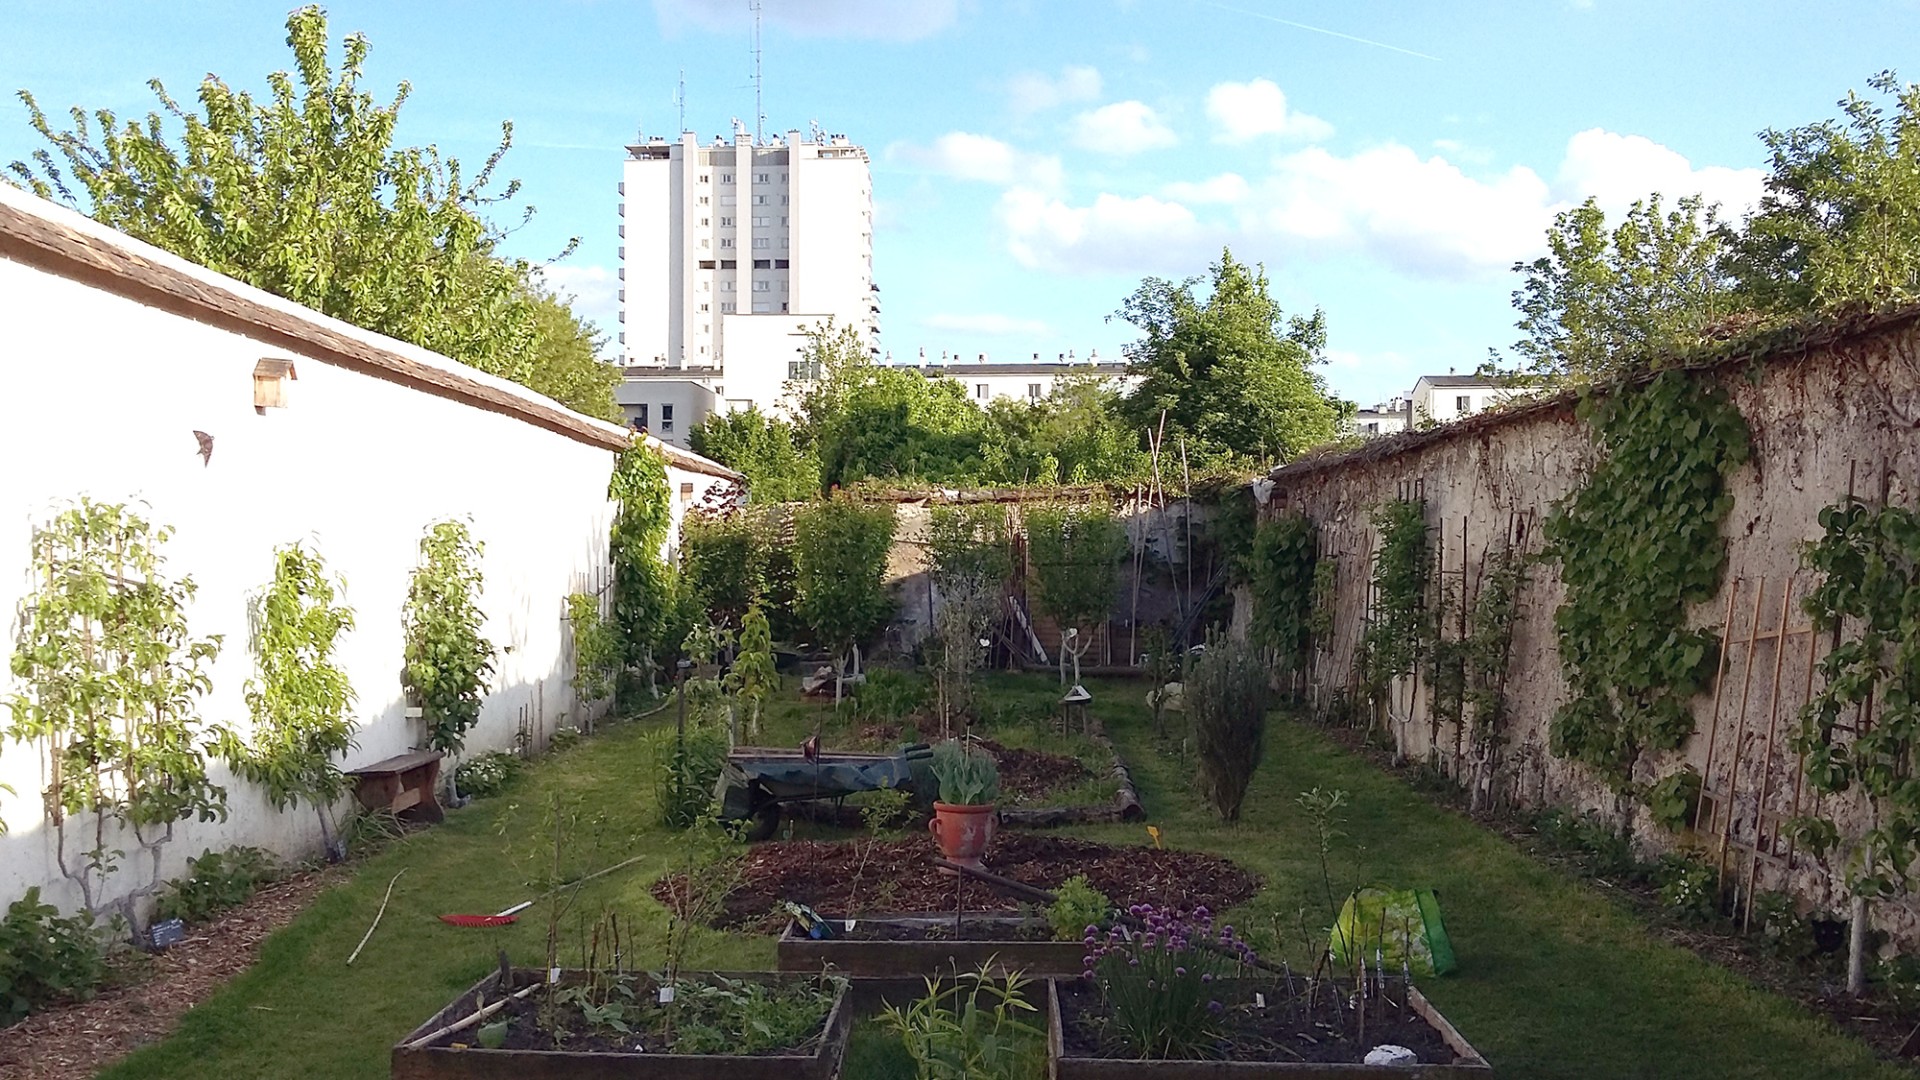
column 1445, row 398
column 987, row 380
column 1387, row 418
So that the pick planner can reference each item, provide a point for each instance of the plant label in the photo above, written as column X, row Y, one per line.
column 553, row 975
column 1259, row 1000
column 666, row 995
column 167, row 933
column 850, row 923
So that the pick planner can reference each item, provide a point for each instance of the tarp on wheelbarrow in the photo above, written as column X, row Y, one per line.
column 1386, row 925
column 785, row 775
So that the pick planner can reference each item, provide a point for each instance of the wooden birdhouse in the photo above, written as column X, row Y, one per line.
column 270, row 378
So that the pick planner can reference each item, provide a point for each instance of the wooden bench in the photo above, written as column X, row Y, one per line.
column 402, row 783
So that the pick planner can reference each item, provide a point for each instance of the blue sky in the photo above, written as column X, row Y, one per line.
column 1387, row 161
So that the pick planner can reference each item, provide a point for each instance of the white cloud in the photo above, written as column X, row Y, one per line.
column 1114, row 233
column 1246, row 111
column 967, row 156
column 1618, row 169
column 1032, row 92
column 988, row 323
column 897, row 20
column 1225, row 188
column 596, row 296
column 1124, row 127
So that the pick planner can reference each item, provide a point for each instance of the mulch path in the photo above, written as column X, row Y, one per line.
column 899, row 875
column 73, row 1042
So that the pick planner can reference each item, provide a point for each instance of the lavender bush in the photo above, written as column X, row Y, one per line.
column 1156, row 978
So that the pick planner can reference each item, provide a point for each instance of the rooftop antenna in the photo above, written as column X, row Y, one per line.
column 759, row 112
column 680, row 99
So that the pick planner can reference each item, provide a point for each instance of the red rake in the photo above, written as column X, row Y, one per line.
column 502, row 919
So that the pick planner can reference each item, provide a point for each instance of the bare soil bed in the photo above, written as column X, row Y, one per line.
column 899, row 875
column 1027, row 776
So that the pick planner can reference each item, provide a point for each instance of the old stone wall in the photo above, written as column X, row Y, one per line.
column 1824, row 417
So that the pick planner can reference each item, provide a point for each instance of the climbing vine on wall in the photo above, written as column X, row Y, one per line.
column 1282, row 562
column 299, row 698
column 447, row 661
column 645, row 602
column 1868, row 559
column 1636, row 545
column 596, row 648
column 1402, row 569
column 110, row 674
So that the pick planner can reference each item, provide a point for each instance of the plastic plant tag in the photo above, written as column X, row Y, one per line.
column 1259, row 1000
column 850, row 923
column 666, row 995
column 553, row 975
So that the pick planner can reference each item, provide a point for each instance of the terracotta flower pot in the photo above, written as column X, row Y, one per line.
column 963, row 832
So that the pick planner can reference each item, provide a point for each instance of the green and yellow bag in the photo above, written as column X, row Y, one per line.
column 1392, row 924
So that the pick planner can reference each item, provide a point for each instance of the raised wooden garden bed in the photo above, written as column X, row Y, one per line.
column 457, row 1056
column 921, row 944
column 1071, row 1054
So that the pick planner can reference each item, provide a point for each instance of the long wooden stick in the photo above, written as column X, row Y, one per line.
column 1766, row 753
column 1740, row 732
column 461, row 1025
column 376, row 917
column 1713, row 716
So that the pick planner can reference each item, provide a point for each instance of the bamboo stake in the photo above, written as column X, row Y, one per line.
column 1766, row 754
column 462, row 1025
column 1740, row 731
column 1713, row 718
column 377, row 916
column 1800, row 766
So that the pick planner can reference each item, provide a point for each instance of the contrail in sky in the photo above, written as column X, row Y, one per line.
column 1315, row 29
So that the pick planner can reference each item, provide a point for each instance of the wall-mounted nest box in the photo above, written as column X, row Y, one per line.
column 270, row 384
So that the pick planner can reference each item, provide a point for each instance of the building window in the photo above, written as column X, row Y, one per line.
column 980, row 391
column 726, row 264
column 1463, row 404
column 783, row 222
column 726, row 178
column 640, row 416
column 763, row 264
column 759, row 200
column 666, row 414
column 1373, row 428
column 726, row 223
column 686, row 491
column 760, row 242
column 726, row 286
column 704, row 242
column 703, row 178
column 703, row 200
column 783, row 200
column 761, row 222
column 705, row 264
column 762, row 308
column 759, row 178
column 1033, row 390
column 728, row 200
column 726, row 307
column 780, row 264
column 703, row 307
column 763, row 286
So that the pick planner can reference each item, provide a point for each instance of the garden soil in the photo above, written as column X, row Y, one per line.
column 899, row 875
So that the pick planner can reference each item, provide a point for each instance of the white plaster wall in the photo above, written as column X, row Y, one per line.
column 100, row 396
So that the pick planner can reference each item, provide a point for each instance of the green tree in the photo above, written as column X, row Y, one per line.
column 566, row 362
column 1075, row 435
column 1224, row 371
column 1076, row 553
column 647, row 609
column 300, row 699
column 304, row 194
column 1840, row 221
column 723, row 562
column 448, row 662
column 840, row 563
column 766, row 449
column 1606, row 302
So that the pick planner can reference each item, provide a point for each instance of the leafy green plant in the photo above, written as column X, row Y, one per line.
column 447, row 661
column 886, row 808
column 1077, row 908
column 1283, row 562
column 1868, row 559
column 596, row 648
column 299, row 698
column 488, row 774
column 1673, row 799
column 109, row 675
column 1158, row 981
column 1075, row 552
column 967, row 774
column 753, row 678
column 645, row 593
column 840, row 562
column 888, row 696
column 1688, row 887
column 1226, row 702
column 971, row 1028
column 723, row 561
column 1489, row 646
column 687, row 770
column 46, row 958
column 216, row 882
column 969, row 560
column 718, row 1015
column 1638, row 544
column 1390, row 646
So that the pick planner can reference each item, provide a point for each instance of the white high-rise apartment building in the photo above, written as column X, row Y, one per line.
column 730, row 253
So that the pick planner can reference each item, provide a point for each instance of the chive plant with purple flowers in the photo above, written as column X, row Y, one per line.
column 1156, row 975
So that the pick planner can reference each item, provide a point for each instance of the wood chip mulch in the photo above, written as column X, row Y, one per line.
column 74, row 1042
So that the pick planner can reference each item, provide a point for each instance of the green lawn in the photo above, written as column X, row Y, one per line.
column 1556, row 980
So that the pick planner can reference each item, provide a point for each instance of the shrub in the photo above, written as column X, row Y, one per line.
column 1689, row 888
column 951, row 1034
column 1673, row 800
column 487, row 775
column 888, row 696
column 967, row 775
column 886, row 808
column 1078, row 907
column 1225, row 696
column 686, row 773
column 215, row 881
column 45, row 958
